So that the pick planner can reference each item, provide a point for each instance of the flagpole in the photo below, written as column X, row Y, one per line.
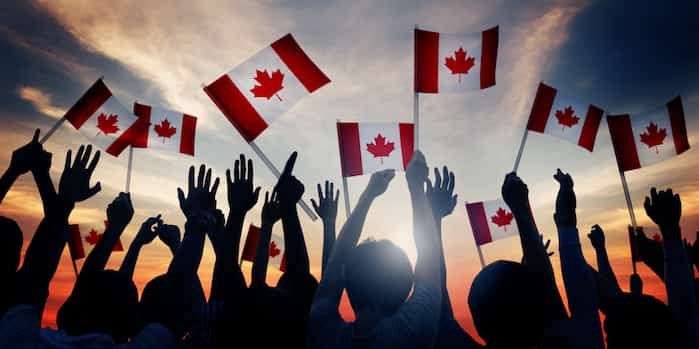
column 521, row 150
column 129, row 168
column 629, row 204
column 480, row 256
column 75, row 267
column 276, row 172
column 53, row 129
column 416, row 109
column 345, row 187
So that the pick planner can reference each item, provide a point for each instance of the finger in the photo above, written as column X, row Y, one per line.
column 191, row 178
column 327, row 189
column 445, row 178
column 180, row 196
column 320, row 192
column 228, row 176
column 93, row 163
column 200, row 177
column 256, row 194
column 250, row 171
column 267, row 197
column 35, row 138
column 437, row 178
column 207, row 180
column 452, row 183
column 646, row 204
column 68, row 159
column 547, row 244
column 289, row 167
column 236, row 171
column 243, row 168
column 86, row 156
column 337, row 197
column 94, row 190
column 315, row 206
column 214, row 187
column 79, row 155
column 653, row 194
column 332, row 190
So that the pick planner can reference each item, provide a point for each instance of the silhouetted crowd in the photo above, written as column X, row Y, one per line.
column 513, row 304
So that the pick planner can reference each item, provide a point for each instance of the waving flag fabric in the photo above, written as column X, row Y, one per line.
column 564, row 117
column 490, row 221
column 369, row 147
column 648, row 138
column 455, row 62
column 169, row 130
column 103, row 120
column 84, row 240
column 277, row 254
column 258, row 91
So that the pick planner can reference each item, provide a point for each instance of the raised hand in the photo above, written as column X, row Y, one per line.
column 441, row 195
column 596, row 237
column 200, row 201
column 515, row 193
column 416, row 172
column 665, row 209
column 148, row 230
column 120, row 212
column 326, row 207
column 271, row 212
column 74, row 185
column 565, row 202
column 30, row 157
column 379, row 181
column 242, row 195
column 170, row 235
column 289, row 189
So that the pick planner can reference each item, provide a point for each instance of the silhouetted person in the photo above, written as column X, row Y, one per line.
column 326, row 208
column 640, row 322
column 10, row 251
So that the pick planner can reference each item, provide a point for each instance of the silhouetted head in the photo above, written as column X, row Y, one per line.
column 302, row 288
column 378, row 277
column 507, row 305
column 10, row 246
column 103, row 301
column 159, row 304
column 639, row 321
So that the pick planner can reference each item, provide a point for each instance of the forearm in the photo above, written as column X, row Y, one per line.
column 447, row 311
column 259, row 266
column 427, row 268
column 227, row 274
column 680, row 286
column 8, row 178
column 98, row 257
column 45, row 186
column 185, row 264
column 605, row 268
column 328, row 242
column 129, row 264
column 295, row 246
column 606, row 292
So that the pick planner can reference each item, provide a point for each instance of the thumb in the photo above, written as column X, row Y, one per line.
column 94, row 190
column 180, row 196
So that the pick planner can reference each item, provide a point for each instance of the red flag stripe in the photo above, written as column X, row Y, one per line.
column 479, row 223
column 677, row 122
column 236, row 107
column 299, row 63
column 95, row 96
column 128, row 137
column 250, row 246
column 189, row 126
column 426, row 61
column 143, row 112
column 623, row 142
column 489, row 54
column 350, row 149
column 407, row 146
column 541, row 108
column 75, row 244
column 588, row 134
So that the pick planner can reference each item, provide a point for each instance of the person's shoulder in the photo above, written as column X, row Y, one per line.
column 153, row 335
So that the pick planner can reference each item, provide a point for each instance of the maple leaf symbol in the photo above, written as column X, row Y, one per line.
column 93, row 237
column 653, row 137
column 502, row 218
column 164, row 129
column 567, row 117
column 380, row 148
column 107, row 124
column 459, row 64
column 268, row 85
column 274, row 250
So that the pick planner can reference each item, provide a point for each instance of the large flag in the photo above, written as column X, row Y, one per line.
column 103, row 120
column 455, row 62
column 83, row 240
column 258, row 91
column 277, row 255
column 490, row 221
column 368, row 147
column 647, row 138
column 169, row 130
column 563, row 117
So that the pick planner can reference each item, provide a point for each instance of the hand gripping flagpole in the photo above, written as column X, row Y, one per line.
column 345, row 188
column 416, row 109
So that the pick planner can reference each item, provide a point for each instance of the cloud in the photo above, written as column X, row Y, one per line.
column 41, row 100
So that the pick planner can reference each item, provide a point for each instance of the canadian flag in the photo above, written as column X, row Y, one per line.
column 169, row 130
column 564, row 117
column 368, row 147
column 645, row 139
column 455, row 62
column 258, row 91
column 84, row 240
column 490, row 221
column 103, row 120
column 277, row 255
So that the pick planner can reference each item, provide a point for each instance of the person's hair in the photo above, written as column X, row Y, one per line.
column 639, row 321
column 378, row 276
column 10, row 245
column 160, row 304
column 508, row 306
column 103, row 301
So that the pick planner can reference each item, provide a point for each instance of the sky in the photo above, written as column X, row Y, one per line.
column 623, row 58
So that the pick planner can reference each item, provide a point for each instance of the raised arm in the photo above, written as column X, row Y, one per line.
column 242, row 196
column 597, row 240
column 44, row 251
column 516, row 195
column 289, row 191
column 119, row 214
column 650, row 252
column 578, row 280
column 145, row 235
column 270, row 215
column 326, row 208
column 665, row 209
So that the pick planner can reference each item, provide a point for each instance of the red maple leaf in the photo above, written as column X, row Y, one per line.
column 653, row 137
column 274, row 250
column 502, row 218
column 93, row 237
column 268, row 85
column 567, row 117
column 380, row 148
column 164, row 129
column 459, row 64
column 107, row 124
